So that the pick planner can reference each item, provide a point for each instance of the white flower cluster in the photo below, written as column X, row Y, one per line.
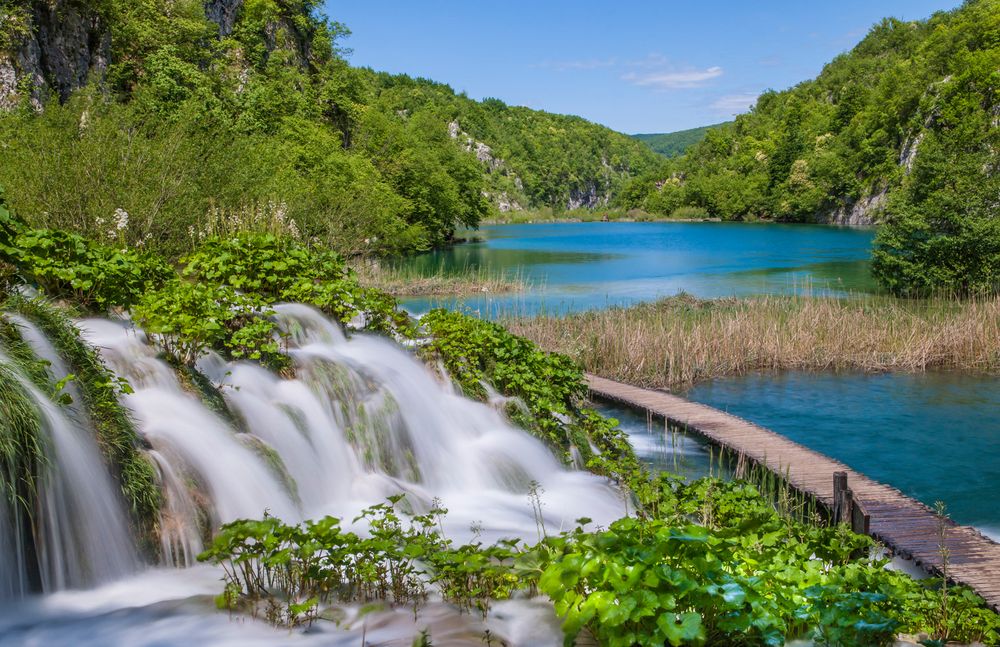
column 121, row 219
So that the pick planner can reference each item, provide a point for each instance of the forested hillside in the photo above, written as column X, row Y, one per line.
column 189, row 116
column 904, row 130
column 676, row 143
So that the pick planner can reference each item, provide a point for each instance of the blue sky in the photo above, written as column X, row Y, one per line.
column 636, row 66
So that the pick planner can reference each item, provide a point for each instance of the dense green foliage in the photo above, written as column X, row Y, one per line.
column 223, row 300
column 906, row 123
column 220, row 301
column 676, row 143
column 549, row 388
column 711, row 567
column 191, row 129
column 718, row 567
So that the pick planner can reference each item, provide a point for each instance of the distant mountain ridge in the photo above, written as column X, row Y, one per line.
column 675, row 143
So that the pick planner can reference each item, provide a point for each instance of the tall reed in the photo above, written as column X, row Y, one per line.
column 440, row 281
column 675, row 342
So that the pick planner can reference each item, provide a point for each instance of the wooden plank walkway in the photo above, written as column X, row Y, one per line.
column 908, row 527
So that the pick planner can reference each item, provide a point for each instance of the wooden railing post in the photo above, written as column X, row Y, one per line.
column 861, row 521
column 847, row 507
column 839, row 486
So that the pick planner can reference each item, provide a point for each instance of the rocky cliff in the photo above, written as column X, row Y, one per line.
column 56, row 47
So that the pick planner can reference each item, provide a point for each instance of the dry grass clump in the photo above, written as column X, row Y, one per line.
column 409, row 282
column 678, row 341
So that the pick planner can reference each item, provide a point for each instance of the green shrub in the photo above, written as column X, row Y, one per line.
column 262, row 264
column 275, row 269
column 92, row 276
column 190, row 318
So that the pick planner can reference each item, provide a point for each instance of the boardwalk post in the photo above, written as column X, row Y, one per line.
column 860, row 519
column 846, row 507
column 839, row 485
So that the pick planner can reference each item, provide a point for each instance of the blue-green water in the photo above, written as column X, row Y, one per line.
column 935, row 436
column 577, row 266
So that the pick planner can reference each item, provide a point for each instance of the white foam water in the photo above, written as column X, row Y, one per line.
column 359, row 419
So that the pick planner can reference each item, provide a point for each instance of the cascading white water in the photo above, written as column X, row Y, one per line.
column 82, row 537
column 14, row 578
column 361, row 419
column 231, row 479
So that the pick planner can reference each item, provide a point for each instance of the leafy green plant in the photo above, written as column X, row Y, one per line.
column 753, row 578
column 190, row 318
column 275, row 268
column 92, row 276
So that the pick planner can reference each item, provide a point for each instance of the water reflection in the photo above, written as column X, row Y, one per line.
column 579, row 266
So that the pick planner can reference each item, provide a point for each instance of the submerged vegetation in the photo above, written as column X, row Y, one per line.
column 675, row 342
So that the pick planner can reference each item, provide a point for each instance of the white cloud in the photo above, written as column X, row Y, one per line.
column 732, row 104
column 671, row 80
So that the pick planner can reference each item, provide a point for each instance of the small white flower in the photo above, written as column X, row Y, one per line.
column 121, row 219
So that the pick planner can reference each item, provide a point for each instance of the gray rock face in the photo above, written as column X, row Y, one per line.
column 587, row 197
column 862, row 213
column 909, row 152
column 223, row 13
column 8, row 84
column 68, row 45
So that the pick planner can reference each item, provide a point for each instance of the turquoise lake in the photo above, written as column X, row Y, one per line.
column 579, row 266
column 933, row 436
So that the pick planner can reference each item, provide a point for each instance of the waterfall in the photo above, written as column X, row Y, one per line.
column 81, row 536
column 360, row 420
column 354, row 421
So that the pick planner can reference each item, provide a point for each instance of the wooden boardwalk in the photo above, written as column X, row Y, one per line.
column 908, row 527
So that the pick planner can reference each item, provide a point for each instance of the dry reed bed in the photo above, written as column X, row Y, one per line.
column 678, row 341
column 411, row 282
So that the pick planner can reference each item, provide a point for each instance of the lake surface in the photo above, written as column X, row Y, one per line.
column 579, row 266
column 934, row 436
